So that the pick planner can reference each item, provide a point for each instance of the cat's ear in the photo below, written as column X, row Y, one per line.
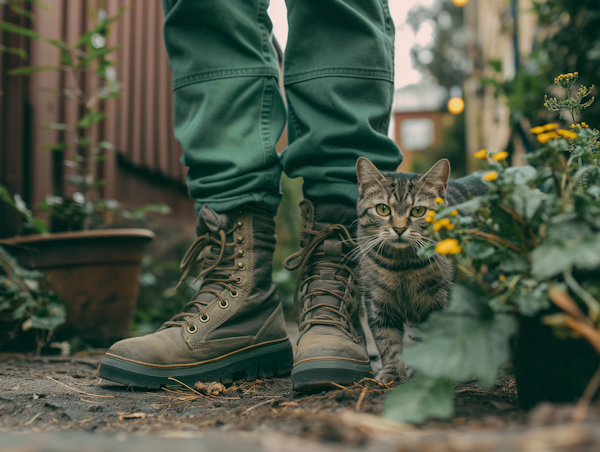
column 367, row 173
column 438, row 174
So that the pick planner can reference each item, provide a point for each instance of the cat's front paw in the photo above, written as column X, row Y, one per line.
column 387, row 376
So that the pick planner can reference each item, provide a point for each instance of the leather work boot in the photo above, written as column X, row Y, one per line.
column 331, row 346
column 232, row 329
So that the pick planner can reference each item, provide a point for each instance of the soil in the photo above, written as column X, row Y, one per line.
column 55, row 394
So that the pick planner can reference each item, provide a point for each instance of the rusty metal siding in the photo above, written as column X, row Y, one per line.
column 139, row 124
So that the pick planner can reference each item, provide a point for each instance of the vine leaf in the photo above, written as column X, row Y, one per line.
column 467, row 340
column 419, row 399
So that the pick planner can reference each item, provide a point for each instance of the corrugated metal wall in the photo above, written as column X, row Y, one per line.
column 139, row 124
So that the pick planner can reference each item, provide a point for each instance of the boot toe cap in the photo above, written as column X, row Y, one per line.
column 156, row 348
column 330, row 347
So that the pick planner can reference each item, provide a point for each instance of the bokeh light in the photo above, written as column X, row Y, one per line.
column 456, row 105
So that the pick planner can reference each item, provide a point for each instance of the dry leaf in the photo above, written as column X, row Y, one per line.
column 123, row 416
column 288, row 404
column 213, row 388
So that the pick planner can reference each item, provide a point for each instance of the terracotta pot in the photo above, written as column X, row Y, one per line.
column 96, row 272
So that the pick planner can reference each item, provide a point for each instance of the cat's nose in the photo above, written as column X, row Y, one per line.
column 399, row 231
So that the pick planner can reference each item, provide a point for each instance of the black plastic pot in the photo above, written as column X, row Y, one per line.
column 548, row 368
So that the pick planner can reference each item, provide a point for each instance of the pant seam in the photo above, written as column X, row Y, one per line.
column 264, row 34
column 339, row 72
column 265, row 121
column 226, row 73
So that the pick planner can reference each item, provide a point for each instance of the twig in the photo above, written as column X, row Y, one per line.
column 31, row 420
column 580, row 411
column 361, row 398
column 340, row 386
column 259, row 404
column 496, row 239
column 588, row 298
column 191, row 389
column 512, row 213
column 80, row 392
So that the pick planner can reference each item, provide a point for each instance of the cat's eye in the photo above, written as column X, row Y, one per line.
column 418, row 211
column 383, row 210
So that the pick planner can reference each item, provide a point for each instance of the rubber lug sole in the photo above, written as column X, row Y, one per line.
column 263, row 362
column 320, row 374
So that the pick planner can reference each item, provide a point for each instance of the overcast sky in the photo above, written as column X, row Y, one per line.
column 405, row 38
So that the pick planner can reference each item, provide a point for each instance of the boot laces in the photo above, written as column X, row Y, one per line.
column 214, row 266
column 306, row 260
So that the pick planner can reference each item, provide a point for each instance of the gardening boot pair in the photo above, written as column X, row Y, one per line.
column 331, row 346
column 232, row 329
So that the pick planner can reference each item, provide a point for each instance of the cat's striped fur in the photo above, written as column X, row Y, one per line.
column 398, row 288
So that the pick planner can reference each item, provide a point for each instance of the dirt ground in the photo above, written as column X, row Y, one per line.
column 54, row 394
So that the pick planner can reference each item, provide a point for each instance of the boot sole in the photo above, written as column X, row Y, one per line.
column 320, row 374
column 263, row 362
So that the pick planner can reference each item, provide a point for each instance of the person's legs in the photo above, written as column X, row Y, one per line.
column 228, row 117
column 338, row 79
column 229, row 112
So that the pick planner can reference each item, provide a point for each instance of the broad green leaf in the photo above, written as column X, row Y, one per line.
column 106, row 145
column 426, row 252
column 91, row 118
column 26, row 70
column 530, row 302
column 420, row 399
column 467, row 340
column 65, row 58
column 14, row 50
column 38, row 225
column 553, row 257
column 12, row 28
column 520, row 175
column 53, row 147
column 53, row 126
column 477, row 249
column 23, row 12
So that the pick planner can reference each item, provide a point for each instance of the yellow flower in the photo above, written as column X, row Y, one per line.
column 429, row 219
column 550, row 126
column 584, row 125
column 439, row 200
column 450, row 227
column 537, row 130
column 499, row 156
column 490, row 176
column 567, row 134
column 502, row 278
column 443, row 223
column 481, row 154
column 545, row 137
column 430, row 213
column 454, row 213
column 448, row 246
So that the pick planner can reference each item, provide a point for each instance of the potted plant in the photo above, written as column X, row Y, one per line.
column 527, row 256
column 93, row 268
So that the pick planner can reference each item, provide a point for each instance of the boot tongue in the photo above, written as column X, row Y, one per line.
column 212, row 222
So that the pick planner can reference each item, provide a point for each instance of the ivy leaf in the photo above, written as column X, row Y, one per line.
column 476, row 249
column 466, row 340
column 420, row 399
column 554, row 257
column 26, row 70
column 91, row 118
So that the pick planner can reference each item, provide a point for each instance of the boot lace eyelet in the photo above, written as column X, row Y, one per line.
column 205, row 319
column 242, row 266
column 241, row 253
column 239, row 280
column 223, row 304
column 234, row 294
column 240, row 225
column 241, row 213
column 241, row 239
column 192, row 330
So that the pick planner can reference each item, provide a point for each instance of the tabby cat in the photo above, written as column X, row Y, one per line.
column 398, row 288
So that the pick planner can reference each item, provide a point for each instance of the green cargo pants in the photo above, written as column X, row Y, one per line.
column 229, row 111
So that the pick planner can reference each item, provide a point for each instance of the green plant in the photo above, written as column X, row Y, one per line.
column 521, row 249
column 25, row 305
column 88, row 55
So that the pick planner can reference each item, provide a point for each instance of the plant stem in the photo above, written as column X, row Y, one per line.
column 495, row 238
column 586, row 297
column 580, row 411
